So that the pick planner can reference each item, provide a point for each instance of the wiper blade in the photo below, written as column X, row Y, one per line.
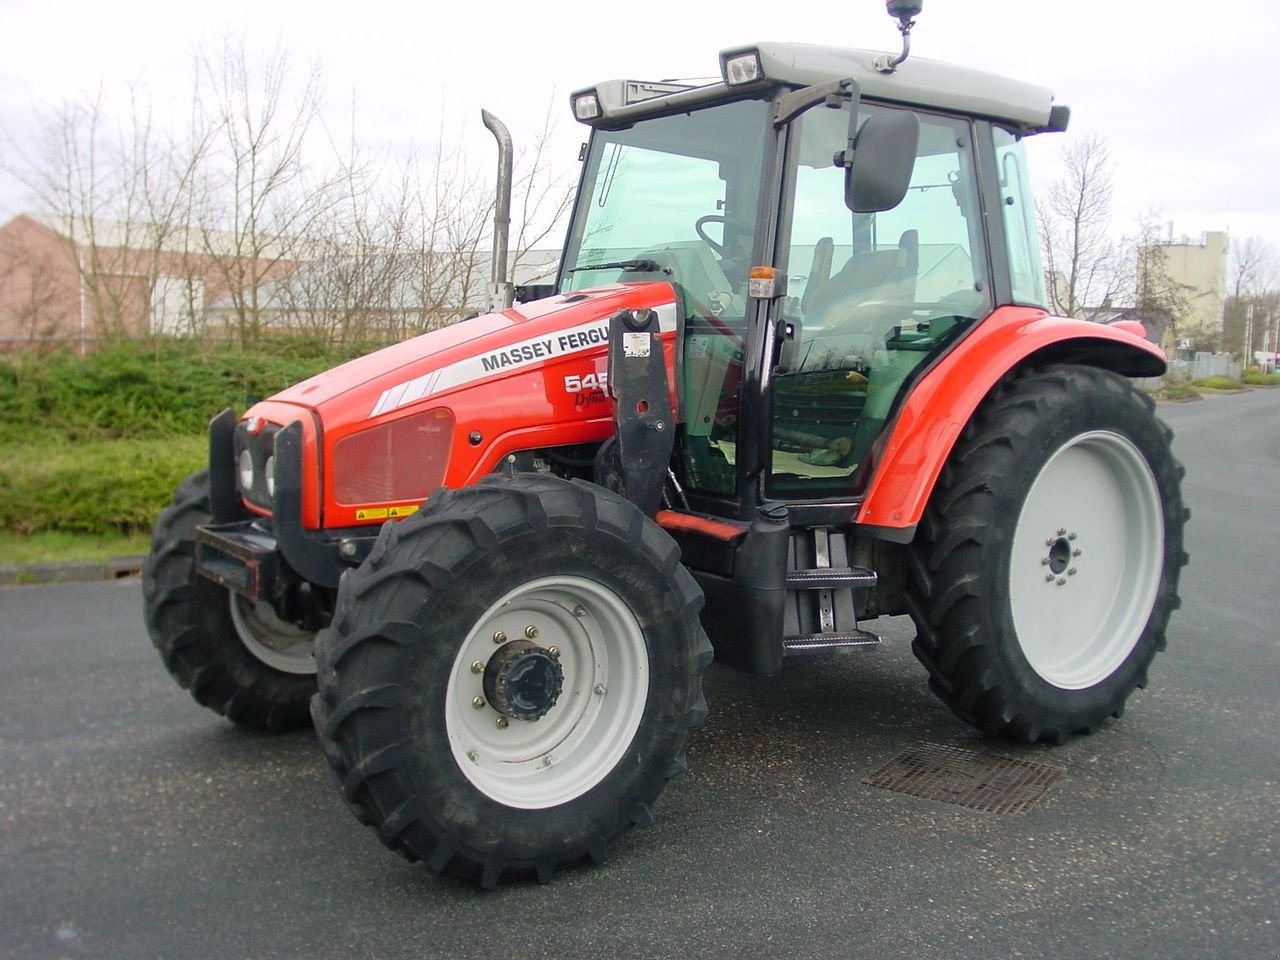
column 643, row 266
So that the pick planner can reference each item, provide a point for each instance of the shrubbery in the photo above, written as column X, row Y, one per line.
column 156, row 388
column 1217, row 383
column 1256, row 378
column 97, row 444
column 93, row 486
column 1177, row 390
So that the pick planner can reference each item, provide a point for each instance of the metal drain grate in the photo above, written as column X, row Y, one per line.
column 974, row 780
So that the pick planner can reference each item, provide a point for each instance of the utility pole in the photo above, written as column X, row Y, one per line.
column 1248, row 334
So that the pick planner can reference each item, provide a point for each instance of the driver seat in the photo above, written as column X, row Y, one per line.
column 885, row 276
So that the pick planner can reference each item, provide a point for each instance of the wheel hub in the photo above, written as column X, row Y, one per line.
column 522, row 680
column 1061, row 557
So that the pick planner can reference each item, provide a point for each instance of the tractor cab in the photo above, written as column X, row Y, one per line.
column 805, row 307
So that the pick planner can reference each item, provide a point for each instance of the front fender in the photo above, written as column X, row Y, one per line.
column 913, row 451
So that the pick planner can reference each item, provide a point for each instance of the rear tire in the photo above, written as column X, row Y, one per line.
column 237, row 658
column 1046, row 567
column 412, row 730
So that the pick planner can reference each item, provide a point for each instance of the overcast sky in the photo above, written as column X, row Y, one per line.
column 1186, row 94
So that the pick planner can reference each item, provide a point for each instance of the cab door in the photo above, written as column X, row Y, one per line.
column 873, row 297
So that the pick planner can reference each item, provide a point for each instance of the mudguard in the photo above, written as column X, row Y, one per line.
column 914, row 448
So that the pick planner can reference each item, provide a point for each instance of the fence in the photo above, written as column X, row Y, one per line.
column 1213, row 365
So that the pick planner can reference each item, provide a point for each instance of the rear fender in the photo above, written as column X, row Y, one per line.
column 912, row 452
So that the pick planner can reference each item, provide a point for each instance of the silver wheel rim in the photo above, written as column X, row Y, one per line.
column 1087, row 559
column 280, row 645
column 602, row 653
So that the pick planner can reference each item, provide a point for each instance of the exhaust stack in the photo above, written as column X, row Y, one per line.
column 501, row 289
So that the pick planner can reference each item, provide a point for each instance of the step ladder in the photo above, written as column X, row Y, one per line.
column 821, row 605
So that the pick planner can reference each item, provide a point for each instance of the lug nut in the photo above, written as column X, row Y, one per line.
column 1062, row 531
column 473, row 756
column 1076, row 552
column 477, row 666
column 1044, row 561
column 1071, row 536
column 499, row 637
column 531, row 632
column 554, row 651
column 1048, row 578
column 1061, row 581
column 501, row 723
column 478, row 703
column 1072, row 572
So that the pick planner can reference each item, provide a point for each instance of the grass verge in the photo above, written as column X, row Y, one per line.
column 61, row 547
column 1217, row 383
column 1256, row 378
column 1178, row 390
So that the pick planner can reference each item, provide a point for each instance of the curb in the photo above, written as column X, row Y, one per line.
column 117, row 568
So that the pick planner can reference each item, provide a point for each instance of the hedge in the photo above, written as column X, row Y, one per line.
column 97, row 444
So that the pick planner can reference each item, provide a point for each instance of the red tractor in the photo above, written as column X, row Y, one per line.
column 795, row 373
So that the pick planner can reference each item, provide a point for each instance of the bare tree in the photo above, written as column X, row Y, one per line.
column 1251, row 274
column 1159, row 301
column 1267, row 325
column 452, row 208
column 545, row 193
column 1083, row 264
column 257, row 207
column 112, row 192
column 243, row 219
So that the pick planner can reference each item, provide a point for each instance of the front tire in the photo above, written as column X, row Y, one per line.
column 237, row 658
column 1046, row 567
column 510, row 678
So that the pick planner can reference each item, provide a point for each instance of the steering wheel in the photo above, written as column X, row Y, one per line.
column 701, row 223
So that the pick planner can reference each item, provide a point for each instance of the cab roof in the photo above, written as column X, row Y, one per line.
column 918, row 82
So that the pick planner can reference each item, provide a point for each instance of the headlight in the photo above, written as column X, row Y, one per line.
column 586, row 106
column 270, row 471
column 403, row 460
column 742, row 67
column 246, row 470
column 255, row 439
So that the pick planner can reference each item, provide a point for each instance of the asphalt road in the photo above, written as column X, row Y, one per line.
column 134, row 824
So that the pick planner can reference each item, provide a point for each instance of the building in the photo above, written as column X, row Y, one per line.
column 1198, row 271
column 63, row 279
column 380, row 294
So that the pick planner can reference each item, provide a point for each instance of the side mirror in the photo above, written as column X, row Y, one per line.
column 883, row 158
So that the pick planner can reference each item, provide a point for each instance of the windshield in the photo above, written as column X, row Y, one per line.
column 676, row 199
column 679, row 192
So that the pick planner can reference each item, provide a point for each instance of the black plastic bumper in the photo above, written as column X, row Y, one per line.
column 258, row 557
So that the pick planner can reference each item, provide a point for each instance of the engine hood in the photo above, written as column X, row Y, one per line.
column 489, row 347
column 381, row 433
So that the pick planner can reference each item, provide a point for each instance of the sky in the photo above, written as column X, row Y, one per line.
column 1184, row 94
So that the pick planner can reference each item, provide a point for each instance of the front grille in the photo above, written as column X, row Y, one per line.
column 401, row 460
